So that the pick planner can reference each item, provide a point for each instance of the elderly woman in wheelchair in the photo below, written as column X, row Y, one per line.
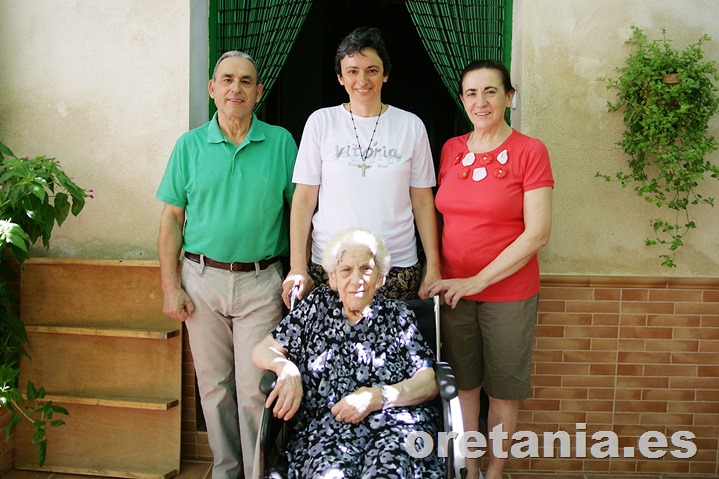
column 353, row 372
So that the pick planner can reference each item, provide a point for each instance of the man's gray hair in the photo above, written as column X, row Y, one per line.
column 238, row 54
column 353, row 237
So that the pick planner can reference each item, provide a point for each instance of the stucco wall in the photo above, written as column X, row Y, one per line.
column 560, row 48
column 105, row 87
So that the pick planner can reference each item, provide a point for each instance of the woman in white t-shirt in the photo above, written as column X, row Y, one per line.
column 364, row 164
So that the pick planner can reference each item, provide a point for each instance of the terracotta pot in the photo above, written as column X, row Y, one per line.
column 671, row 79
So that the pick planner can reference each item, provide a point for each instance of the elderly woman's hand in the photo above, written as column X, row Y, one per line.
column 287, row 391
column 354, row 407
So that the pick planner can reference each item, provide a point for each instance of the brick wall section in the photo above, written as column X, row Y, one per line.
column 194, row 443
column 627, row 355
column 620, row 354
column 7, row 447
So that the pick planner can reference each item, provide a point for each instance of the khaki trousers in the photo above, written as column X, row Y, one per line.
column 233, row 312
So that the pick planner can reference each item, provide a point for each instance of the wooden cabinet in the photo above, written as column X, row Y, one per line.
column 102, row 348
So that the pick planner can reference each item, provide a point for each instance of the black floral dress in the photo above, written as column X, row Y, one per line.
column 335, row 359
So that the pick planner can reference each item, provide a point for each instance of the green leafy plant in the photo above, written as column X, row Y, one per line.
column 668, row 97
column 35, row 195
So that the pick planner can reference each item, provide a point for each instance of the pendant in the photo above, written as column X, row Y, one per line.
column 364, row 167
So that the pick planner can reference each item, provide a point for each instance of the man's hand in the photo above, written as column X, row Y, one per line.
column 178, row 305
column 301, row 280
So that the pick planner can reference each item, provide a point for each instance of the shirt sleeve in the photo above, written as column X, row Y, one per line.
column 538, row 170
column 289, row 334
column 422, row 170
column 172, row 186
column 450, row 150
column 290, row 156
column 308, row 167
column 413, row 347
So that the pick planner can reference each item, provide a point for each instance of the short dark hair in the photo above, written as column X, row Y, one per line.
column 492, row 65
column 359, row 39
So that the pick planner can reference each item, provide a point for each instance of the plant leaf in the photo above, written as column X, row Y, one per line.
column 62, row 208
column 31, row 391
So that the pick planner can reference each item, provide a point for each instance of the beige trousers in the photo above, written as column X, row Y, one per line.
column 233, row 312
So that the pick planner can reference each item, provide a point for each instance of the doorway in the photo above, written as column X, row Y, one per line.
column 308, row 82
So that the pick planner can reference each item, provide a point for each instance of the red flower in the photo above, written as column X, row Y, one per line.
column 500, row 173
column 463, row 173
column 457, row 158
column 485, row 159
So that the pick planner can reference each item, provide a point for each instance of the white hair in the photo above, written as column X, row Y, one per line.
column 351, row 237
column 237, row 54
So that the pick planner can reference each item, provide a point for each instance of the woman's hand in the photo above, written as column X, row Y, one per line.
column 354, row 407
column 537, row 228
column 431, row 277
column 301, row 280
column 287, row 391
column 452, row 290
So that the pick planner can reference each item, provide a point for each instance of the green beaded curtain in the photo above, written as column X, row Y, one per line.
column 456, row 32
column 265, row 29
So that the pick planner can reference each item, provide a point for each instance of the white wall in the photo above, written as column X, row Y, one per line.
column 102, row 85
column 108, row 86
column 560, row 48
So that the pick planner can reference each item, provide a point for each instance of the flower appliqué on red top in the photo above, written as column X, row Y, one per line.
column 482, row 160
column 479, row 173
column 502, row 159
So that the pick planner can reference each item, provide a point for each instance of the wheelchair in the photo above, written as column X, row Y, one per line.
column 270, row 462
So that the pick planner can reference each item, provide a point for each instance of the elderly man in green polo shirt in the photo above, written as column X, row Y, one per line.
column 225, row 192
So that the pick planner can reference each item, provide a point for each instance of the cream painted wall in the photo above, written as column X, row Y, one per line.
column 108, row 86
column 102, row 85
column 560, row 47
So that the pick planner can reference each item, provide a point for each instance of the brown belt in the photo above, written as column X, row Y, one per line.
column 234, row 266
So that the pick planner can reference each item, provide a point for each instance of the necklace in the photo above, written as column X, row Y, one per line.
column 364, row 156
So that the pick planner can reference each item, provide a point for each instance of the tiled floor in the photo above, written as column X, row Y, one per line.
column 188, row 470
column 201, row 470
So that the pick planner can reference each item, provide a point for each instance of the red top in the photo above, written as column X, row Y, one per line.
column 482, row 205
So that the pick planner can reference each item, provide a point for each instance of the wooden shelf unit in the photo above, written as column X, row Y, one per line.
column 102, row 348
column 111, row 332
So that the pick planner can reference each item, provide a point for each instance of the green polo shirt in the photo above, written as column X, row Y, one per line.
column 235, row 198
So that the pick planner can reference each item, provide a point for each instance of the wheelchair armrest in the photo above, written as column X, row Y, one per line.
column 271, row 436
column 267, row 382
column 446, row 381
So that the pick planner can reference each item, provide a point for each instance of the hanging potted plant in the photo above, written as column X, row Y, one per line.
column 35, row 195
column 668, row 96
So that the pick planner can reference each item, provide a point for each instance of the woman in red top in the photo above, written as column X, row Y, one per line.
column 495, row 198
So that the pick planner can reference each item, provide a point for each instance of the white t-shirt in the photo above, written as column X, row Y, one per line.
column 399, row 158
